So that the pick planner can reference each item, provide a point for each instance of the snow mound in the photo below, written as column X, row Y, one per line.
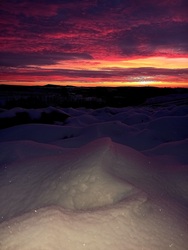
column 101, row 196
column 17, row 115
column 42, row 133
column 87, row 178
column 85, row 185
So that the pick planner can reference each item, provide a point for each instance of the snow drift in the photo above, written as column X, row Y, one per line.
column 85, row 185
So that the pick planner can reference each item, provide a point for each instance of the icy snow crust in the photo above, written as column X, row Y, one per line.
column 105, row 179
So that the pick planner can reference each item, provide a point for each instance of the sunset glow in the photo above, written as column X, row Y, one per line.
column 94, row 43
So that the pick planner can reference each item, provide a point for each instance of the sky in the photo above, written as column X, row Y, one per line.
column 94, row 43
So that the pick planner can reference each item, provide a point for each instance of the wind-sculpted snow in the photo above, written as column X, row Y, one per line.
column 105, row 179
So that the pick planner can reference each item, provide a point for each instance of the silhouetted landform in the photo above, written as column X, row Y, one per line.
column 88, row 97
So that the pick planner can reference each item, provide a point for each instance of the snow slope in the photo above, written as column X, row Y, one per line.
column 103, row 179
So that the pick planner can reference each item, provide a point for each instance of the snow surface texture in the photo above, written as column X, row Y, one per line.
column 106, row 179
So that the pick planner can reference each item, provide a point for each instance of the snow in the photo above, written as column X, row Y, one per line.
column 110, row 178
column 17, row 116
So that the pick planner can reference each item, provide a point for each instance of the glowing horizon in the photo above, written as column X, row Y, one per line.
column 93, row 44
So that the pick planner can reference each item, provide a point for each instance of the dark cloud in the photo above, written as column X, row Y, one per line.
column 149, row 39
column 18, row 59
column 105, row 73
